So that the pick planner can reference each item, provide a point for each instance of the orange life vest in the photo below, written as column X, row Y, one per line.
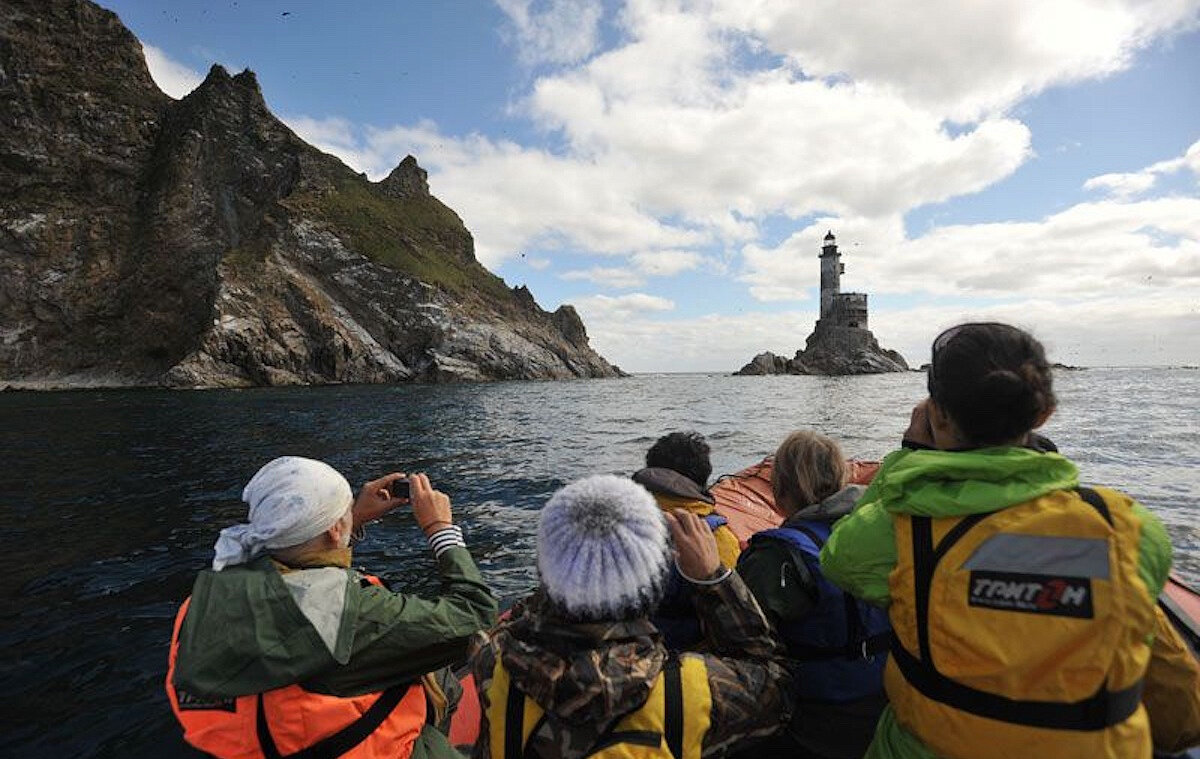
column 292, row 722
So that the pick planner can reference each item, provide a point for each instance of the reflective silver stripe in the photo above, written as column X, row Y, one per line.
column 321, row 595
column 1041, row 554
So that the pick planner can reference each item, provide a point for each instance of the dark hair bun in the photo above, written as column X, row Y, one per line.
column 993, row 380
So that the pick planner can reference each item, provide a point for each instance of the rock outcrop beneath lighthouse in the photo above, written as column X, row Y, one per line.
column 831, row 351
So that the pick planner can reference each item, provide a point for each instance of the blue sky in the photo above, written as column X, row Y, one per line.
column 669, row 167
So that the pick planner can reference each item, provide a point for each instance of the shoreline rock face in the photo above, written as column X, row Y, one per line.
column 146, row 241
column 831, row 350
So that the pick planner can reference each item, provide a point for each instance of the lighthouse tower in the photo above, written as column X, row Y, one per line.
column 831, row 274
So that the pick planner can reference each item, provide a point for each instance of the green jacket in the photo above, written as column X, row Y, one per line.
column 861, row 552
column 250, row 629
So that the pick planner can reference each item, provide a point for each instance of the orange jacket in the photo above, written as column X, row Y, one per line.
column 284, row 721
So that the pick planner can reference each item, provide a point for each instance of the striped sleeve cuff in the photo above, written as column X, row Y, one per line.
column 445, row 539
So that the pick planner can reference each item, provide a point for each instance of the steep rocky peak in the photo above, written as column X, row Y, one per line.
column 241, row 91
column 522, row 295
column 406, row 180
column 566, row 318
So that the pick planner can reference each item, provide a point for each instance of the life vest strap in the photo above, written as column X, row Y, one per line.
column 1098, row 712
column 1094, row 499
column 673, row 707
column 515, row 746
column 343, row 740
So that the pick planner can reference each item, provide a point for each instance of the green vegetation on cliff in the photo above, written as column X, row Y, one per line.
column 417, row 235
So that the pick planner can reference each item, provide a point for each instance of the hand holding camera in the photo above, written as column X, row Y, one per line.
column 380, row 496
column 430, row 507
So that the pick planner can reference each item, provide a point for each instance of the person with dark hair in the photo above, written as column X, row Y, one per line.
column 578, row 670
column 1023, row 605
column 684, row 452
column 836, row 645
column 676, row 474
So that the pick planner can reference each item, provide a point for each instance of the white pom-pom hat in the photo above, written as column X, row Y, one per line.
column 602, row 549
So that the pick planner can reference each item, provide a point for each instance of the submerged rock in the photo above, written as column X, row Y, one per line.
column 201, row 243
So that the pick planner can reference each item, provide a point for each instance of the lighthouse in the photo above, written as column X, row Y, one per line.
column 838, row 309
column 841, row 342
column 831, row 274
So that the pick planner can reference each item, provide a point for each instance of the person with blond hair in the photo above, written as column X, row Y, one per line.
column 836, row 645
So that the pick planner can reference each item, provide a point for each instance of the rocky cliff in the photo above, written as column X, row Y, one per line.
column 831, row 350
column 201, row 243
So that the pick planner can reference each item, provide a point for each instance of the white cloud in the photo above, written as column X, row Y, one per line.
column 665, row 263
column 607, row 276
column 765, row 145
column 603, row 308
column 337, row 136
column 171, row 76
column 553, row 31
column 959, row 59
column 1122, row 185
column 1083, row 251
column 1125, row 185
column 658, row 263
column 1162, row 328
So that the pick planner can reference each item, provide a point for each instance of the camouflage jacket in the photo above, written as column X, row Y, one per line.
column 587, row 676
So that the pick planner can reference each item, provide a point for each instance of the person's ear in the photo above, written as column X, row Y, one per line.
column 1043, row 417
column 336, row 536
column 945, row 431
column 333, row 536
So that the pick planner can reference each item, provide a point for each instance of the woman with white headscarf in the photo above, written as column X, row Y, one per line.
column 283, row 648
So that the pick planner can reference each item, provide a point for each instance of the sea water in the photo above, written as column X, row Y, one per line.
column 111, row 500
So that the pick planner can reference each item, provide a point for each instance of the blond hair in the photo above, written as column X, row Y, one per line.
column 809, row 468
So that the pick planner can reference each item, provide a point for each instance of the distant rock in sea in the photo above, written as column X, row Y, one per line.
column 201, row 243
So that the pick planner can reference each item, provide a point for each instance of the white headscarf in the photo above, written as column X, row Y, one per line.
column 292, row 499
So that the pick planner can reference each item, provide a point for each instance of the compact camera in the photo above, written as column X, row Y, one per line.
column 399, row 488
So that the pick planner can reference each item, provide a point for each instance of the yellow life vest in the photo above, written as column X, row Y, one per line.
column 671, row 723
column 1022, row 632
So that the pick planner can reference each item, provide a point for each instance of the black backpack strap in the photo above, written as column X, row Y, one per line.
column 673, row 707
column 343, row 740
column 514, row 723
column 1094, row 500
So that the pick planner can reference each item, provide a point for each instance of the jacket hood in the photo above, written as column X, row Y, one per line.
column 834, row 507
column 583, row 674
column 248, row 630
column 954, row 483
column 668, row 482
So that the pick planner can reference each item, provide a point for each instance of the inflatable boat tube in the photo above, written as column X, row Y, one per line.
column 746, row 500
